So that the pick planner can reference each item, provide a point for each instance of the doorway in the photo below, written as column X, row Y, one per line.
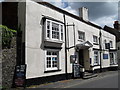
column 81, row 57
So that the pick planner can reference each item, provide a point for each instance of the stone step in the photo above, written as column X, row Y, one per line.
column 89, row 76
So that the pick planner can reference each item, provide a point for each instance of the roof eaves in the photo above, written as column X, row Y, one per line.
column 67, row 13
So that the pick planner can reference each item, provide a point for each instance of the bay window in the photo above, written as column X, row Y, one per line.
column 54, row 30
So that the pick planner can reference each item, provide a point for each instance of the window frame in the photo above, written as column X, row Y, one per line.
column 111, row 44
column 79, row 35
column 95, row 42
column 58, row 60
column 114, row 59
column 51, row 38
column 98, row 61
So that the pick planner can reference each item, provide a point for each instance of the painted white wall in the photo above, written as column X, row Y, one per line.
column 108, row 37
column 35, row 55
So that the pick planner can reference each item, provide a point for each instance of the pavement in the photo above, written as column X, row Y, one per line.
column 107, row 79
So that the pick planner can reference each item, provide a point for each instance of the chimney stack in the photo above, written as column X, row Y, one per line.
column 83, row 12
column 117, row 25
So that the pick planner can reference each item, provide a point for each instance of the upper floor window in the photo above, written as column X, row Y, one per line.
column 81, row 35
column 111, row 44
column 54, row 30
column 95, row 39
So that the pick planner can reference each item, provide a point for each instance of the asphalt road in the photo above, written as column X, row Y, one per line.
column 103, row 80
column 108, row 81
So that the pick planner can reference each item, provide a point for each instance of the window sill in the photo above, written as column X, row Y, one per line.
column 52, row 71
column 81, row 40
column 95, row 65
column 113, row 64
column 54, row 41
column 95, row 43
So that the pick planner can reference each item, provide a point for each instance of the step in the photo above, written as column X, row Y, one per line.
column 90, row 76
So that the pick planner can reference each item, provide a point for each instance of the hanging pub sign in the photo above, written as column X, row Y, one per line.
column 19, row 76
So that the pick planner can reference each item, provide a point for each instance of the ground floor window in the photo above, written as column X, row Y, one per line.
column 52, row 59
column 96, row 58
column 113, row 58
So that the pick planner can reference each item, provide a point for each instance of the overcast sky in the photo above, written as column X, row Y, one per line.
column 100, row 13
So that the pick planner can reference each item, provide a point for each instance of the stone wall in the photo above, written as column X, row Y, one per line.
column 8, row 64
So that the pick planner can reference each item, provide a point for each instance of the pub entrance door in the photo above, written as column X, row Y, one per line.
column 81, row 57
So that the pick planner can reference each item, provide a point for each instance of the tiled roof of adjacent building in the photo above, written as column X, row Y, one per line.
column 113, row 31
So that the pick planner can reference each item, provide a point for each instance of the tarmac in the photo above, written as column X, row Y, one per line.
column 70, row 82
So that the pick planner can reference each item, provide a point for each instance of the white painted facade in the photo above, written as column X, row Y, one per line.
column 36, row 41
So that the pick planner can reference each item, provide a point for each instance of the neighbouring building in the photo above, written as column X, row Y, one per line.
column 115, row 31
column 56, row 39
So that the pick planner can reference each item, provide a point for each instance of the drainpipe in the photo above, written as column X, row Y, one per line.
column 65, row 47
column 100, row 42
column 74, row 39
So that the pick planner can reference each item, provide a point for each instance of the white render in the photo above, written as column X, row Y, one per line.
column 35, row 37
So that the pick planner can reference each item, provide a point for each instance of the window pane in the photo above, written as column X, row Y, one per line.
column 48, row 24
column 95, row 39
column 96, row 62
column 61, row 36
column 48, row 33
column 81, row 35
column 55, row 31
column 52, row 59
column 111, row 44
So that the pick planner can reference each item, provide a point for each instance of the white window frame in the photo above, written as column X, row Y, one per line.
column 58, row 60
column 50, row 38
column 114, row 61
column 96, row 42
column 111, row 44
column 98, row 61
column 83, row 35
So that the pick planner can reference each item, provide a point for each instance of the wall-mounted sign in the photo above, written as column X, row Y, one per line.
column 105, row 56
column 73, row 58
column 20, row 76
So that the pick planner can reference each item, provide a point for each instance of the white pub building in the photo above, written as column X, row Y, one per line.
column 55, row 40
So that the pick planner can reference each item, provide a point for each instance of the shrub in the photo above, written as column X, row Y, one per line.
column 6, row 34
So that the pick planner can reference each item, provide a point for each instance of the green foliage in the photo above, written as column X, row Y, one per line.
column 6, row 34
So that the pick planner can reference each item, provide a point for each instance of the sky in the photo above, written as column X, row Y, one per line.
column 100, row 13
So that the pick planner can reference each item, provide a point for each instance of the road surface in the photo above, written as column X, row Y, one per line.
column 107, row 79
